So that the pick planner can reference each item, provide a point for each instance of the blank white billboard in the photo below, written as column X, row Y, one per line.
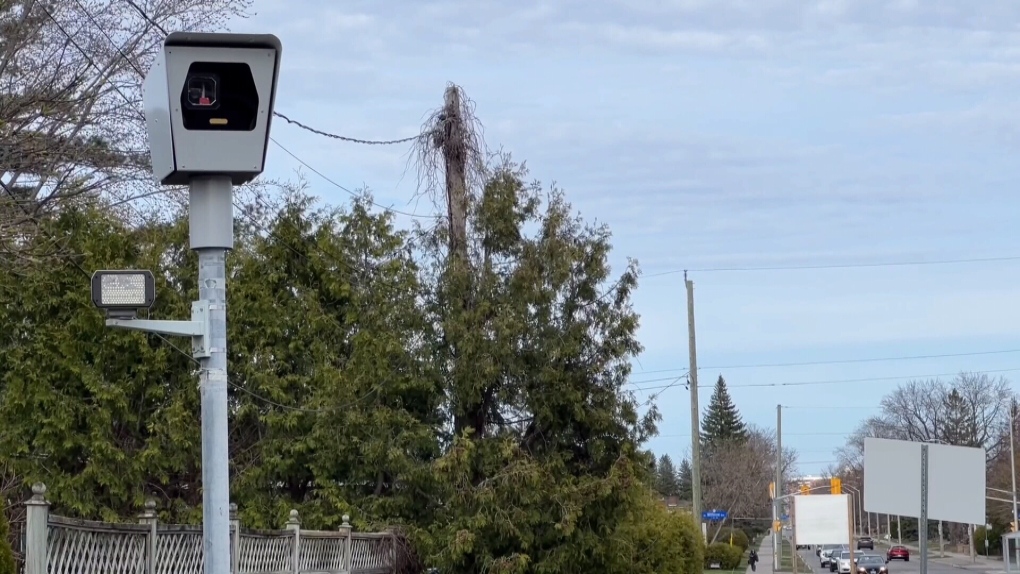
column 956, row 480
column 821, row 518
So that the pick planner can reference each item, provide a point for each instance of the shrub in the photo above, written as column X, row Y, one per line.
column 655, row 540
column 726, row 556
column 994, row 540
column 7, row 565
column 739, row 538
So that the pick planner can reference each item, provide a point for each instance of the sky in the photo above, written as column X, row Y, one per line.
column 835, row 143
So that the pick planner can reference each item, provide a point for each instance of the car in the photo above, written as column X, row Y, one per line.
column 871, row 564
column 841, row 564
column 825, row 553
column 865, row 542
column 898, row 553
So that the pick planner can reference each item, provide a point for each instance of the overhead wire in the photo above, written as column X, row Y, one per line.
column 914, row 263
column 837, row 361
column 838, row 381
column 241, row 210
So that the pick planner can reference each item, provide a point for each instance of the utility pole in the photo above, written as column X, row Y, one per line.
column 695, row 406
column 451, row 140
column 778, row 536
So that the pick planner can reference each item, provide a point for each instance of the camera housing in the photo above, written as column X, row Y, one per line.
column 208, row 102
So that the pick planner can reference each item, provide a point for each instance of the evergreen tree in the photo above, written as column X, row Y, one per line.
column 960, row 426
column 667, row 479
column 685, row 478
column 722, row 422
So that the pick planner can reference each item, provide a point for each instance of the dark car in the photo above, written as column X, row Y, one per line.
column 898, row 553
column 870, row 564
column 865, row 543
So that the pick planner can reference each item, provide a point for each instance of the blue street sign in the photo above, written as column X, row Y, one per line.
column 714, row 515
column 785, row 517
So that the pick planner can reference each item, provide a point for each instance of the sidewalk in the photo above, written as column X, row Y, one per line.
column 765, row 557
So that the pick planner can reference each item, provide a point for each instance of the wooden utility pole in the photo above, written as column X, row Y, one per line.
column 695, row 407
column 452, row 142
column 455, row 153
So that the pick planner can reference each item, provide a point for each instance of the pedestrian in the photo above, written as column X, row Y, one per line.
column 752, row 559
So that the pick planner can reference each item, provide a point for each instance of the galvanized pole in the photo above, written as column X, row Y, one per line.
column 922, row 522
column 778, row 536
column 211, row 224
column 1012, row 470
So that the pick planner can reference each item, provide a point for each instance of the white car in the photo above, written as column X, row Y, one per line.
column 844, row 563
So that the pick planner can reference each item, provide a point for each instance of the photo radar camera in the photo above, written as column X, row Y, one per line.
column 208, row 105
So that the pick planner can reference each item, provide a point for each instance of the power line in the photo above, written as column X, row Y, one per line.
column 916, row 263
column 352, row 193
column 303, row 126
column 346, row 138
column 840, row 381
column 840, row 361
column 785, row 434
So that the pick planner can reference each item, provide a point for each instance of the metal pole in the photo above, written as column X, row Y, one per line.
column 778, row 547
column 695, row 407
column 922, row 522
column 899, row 531
column 211, row 222
column 888, row 526
column 1012, row 467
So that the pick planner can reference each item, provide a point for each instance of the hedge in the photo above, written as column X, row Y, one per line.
column 726, row 556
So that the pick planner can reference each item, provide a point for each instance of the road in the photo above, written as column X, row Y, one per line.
column 935, row 565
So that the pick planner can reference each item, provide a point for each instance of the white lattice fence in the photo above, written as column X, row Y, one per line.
column 58, row 545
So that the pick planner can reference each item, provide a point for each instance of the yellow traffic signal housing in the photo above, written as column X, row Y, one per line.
column 836, row 485
column 1012, row 526
column 804, row 489
column 772, row 490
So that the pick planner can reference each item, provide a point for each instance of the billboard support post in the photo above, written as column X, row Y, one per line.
column 922, row 523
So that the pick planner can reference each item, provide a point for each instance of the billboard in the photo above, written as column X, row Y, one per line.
column 956, row 480
column 822, row 519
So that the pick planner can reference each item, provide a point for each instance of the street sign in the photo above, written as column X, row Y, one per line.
column 714, row 515
column 786, row 517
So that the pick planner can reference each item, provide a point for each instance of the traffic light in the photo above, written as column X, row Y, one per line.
column 836, row 485
column 1012, row 526
column 804, row 489
column 772, row 490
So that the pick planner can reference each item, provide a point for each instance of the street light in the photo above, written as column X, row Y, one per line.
column 860, row 505
column 122, row 293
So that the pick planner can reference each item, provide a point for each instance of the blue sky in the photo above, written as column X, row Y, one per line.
column 719, row 134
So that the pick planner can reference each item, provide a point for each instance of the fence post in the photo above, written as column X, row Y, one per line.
column 37, row 531
column 294, row 525
column 235, row 539
column 150, row 518
column 347, row 530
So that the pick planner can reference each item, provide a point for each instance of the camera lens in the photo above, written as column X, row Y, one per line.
column 203, row 92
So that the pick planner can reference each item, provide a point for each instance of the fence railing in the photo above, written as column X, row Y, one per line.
column 58, row 545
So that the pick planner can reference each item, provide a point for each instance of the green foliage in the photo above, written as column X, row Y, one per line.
column 685, row 480
column 7, row 563
column 722, row 422
column 481, row 406
column 667, row 482
column 961, row 421
column 652, row 540
column 994, row 537
column 737, row 536
column 726, row 556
